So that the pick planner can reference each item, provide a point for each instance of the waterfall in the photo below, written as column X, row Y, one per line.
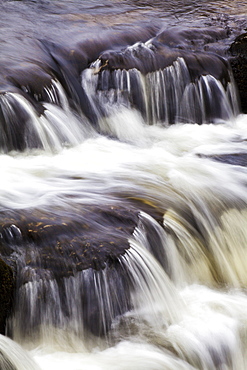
column 165, row 96
column 52, row 130
column 164, row 89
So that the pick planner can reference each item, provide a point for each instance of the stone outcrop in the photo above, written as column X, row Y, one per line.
column 238, row 61
column 6, row 292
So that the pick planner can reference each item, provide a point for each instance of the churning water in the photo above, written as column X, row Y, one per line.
column 123, row 203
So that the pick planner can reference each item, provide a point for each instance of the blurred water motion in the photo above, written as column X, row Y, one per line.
column 123, row 186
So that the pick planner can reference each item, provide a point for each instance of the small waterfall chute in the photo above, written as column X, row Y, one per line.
column 155, row 298
column 164, row 96
column 91, row 301
column 22, row 127
column 212, row 254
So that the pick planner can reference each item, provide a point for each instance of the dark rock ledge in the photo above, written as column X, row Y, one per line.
column 6, row 293
column 238, row 61
column 56, row 250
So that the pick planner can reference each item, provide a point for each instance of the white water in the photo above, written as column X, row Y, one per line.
column 194, row 319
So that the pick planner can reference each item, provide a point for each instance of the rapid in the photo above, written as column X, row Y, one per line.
column 123, row 203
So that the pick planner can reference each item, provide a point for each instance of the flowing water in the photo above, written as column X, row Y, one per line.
column 123, row 203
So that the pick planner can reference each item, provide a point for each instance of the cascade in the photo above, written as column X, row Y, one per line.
column 122, row 196
column 164, row 85
column 163, row 96
column 49, row 130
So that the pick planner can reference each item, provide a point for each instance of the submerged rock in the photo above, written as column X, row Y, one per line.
column 235, row 159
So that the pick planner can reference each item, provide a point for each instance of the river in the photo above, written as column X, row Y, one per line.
column 123, row 203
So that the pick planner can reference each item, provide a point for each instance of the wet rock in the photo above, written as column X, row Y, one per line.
column 167, row 46
column 235, row 159
column 6, row 293
column 159, row 55
column 65, row 241
column 239, row 46
column 238, row 61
